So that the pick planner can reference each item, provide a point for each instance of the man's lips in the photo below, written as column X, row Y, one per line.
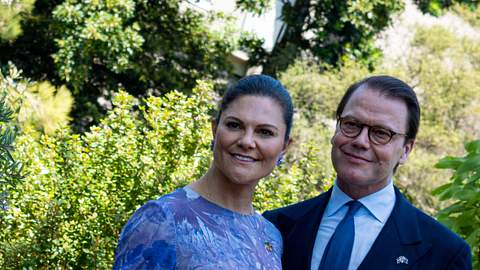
column 356, row 156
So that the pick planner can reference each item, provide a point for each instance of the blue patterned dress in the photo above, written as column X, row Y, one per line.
column 182, row 230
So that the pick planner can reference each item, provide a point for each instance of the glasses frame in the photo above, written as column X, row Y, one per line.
column 340, row 120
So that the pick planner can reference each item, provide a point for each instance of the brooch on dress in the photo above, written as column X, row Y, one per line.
column 268, row 246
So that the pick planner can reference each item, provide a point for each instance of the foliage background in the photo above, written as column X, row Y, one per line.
column 110, row 112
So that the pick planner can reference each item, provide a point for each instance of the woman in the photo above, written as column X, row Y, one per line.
column 211, row 224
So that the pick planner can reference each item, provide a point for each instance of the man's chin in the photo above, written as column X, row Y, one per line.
column 357, row 177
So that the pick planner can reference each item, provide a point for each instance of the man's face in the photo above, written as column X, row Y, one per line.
column 362, row 166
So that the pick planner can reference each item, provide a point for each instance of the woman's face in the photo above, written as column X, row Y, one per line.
column 249, row 139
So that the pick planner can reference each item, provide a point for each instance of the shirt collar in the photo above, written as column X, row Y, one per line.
column 378, row 204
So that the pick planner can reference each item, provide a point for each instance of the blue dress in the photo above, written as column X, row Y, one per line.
column 182, row 230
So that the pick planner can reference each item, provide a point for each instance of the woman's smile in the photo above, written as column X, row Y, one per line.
column 244, row 158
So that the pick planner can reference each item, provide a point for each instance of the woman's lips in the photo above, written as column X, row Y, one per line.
column 243, row 158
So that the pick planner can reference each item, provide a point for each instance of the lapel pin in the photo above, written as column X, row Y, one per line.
column 402, row 259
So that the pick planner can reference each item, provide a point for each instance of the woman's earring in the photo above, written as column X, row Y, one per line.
column 212, row 144
column 280, row 161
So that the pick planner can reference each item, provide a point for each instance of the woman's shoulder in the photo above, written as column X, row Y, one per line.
column 168, row 207
column 167, row 201
column 149, row 237
column 153, row 213
column 173, row 202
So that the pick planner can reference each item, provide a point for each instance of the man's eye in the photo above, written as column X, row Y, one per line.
column 381, row 133
column 351, row 125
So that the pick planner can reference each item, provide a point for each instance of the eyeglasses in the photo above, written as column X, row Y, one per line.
column 378, row 135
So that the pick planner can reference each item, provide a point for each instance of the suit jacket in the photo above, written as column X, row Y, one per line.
column 409, row 239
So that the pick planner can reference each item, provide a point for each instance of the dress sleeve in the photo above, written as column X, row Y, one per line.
column 148, row 240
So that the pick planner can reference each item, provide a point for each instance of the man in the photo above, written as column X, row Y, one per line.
column 363, row 221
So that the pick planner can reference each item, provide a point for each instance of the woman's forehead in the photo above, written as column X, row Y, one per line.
column 255, row 108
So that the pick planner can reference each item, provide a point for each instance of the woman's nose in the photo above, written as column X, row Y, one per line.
column 247, row 140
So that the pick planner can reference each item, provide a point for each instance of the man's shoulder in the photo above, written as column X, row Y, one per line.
column 434, row 230
column 444, row 242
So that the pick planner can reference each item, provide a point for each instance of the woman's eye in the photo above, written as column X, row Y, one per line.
column 232, row 125
column 266, row 132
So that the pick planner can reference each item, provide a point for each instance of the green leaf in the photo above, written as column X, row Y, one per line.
column 449, row 163
column 449, row 193
column 441, row 189
column 454, row 208
column 467, row 195
column 473, row 147
column 474, row 237
column 469, row 165
column 466, row 218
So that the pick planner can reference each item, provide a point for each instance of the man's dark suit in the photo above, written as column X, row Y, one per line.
column 422, row 241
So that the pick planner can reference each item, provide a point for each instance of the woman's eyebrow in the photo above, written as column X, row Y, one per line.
column 259, row 125
column 269, row 126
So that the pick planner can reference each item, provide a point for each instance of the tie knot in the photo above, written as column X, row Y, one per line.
column 353, row 207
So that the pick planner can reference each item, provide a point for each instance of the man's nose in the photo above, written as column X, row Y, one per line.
column 362, row 140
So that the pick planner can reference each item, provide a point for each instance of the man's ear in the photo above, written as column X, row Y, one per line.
column 407, row 149
column 334, row 134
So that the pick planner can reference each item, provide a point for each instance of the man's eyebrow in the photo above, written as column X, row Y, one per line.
column 377, row 126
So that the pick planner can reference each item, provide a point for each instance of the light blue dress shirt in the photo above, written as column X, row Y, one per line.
column 369, row 221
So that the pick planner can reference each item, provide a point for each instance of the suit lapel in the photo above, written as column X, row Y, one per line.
column 399, row 244
column 298, row 244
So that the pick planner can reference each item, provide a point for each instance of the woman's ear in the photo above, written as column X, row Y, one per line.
column 214, row 127
column 286, row 146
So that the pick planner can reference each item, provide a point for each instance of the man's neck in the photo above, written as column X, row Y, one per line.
column 359, row 191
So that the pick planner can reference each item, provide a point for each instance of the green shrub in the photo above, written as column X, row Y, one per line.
column 9, row 168
column 468, row 13
column 41, row 105
column 463, row 195
column 81, row 189
column 10, row 17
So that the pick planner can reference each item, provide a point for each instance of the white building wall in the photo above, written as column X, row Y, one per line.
column 267, row 25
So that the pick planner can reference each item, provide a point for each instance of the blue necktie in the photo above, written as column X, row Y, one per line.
column 339, row 249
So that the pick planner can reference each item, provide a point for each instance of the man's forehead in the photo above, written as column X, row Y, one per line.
column 375, row 108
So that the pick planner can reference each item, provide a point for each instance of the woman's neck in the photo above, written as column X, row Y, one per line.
column 215, row 187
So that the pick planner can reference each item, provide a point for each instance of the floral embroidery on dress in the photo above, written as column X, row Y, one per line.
column 182, row 230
